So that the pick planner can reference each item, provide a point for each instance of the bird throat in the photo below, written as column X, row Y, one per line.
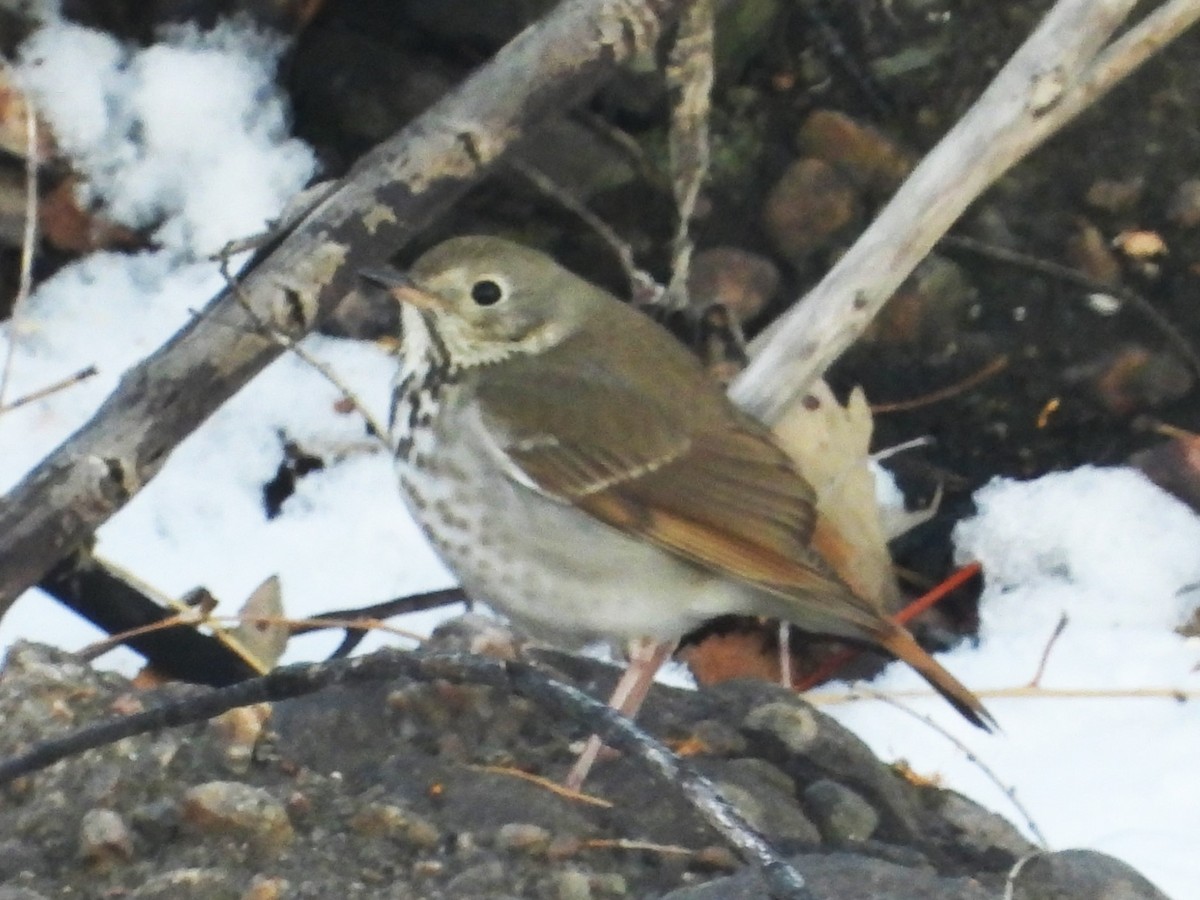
column 425, row 374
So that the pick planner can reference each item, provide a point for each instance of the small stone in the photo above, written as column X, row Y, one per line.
column 1184, row 209
column 716, row 859
column 156, row 822
column 741, row 281
column 1174, row 466
column 104, row 838
column 240, row 731
column 1113, row 195
column 571, row 884
column 766, row 797
column 1141, row 244
column 188, row 884
column 841, row 814
column 476, row 633
column 928, row 310
column 870, row 158
column 719, row 737
column 1088, row 251
column 981, row 829
column 796, row 726
column 609, row 884
column 230, row 807
column 1132, row 379
column 264, row 887
column 395, row 822
column 1081, row 873
column 524, row 837
column 810, row 208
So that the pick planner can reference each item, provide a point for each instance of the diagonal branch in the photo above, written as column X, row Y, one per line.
column 1064, row 66
column 390, row 195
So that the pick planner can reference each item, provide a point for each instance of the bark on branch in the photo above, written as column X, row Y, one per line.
column 388, row 198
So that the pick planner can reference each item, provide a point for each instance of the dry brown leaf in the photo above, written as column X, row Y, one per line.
column 830, row 444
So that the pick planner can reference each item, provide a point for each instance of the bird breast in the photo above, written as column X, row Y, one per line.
column 560, row 574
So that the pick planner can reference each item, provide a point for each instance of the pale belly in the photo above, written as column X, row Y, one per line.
column 554, row 570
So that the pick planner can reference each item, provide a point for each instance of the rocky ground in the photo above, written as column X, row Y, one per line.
column 406, row 790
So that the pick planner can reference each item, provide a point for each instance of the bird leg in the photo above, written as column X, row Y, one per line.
column 646, row 657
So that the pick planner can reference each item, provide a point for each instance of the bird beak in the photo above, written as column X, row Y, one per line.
column 402, row 287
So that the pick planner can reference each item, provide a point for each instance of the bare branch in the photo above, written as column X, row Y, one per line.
column 1060, row 69
column 391, row 194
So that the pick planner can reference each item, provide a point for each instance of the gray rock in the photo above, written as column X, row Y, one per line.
column 189, row 884
column 765, row 796
column 844, row 876
column 841, row 814
column 981, row 829
column 230, row 807
column 1081, row 875
column 104, row 838
column 19, row 893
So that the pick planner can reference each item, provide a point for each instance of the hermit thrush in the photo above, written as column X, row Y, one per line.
column 577, row 469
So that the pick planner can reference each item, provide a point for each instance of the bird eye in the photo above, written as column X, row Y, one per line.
column 486, row 292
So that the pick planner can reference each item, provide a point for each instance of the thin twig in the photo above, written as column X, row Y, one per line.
column 378, row 431
column 552, row 786
column 1036, row 680
column 995, row 367
column 638, row 278
column 1124, row 55
column 689, row 72
column 783, row 881
column 971, row 756
column 28, row 238
column 60, row 385
column 194, row 619
column 1026, row 692
column 643, row 846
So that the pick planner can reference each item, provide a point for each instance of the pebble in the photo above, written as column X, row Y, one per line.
column 266, row 887
column 524, row 837
column 870, row 158
column 1089, row 252
column 1174, row 466
column 928, row 310
column 1133, row 378
column 395, row 822
column 766, row 797
column 104, row 838
column 240, row 731
column 188, row 884
column 741, row 281
column 572, row 884
column 810, row 208
column 1115, row 195
column 794, row 725
column 230, row 807
column 841, row 815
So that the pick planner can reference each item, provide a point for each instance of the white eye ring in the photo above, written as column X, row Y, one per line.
column 488, row 290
